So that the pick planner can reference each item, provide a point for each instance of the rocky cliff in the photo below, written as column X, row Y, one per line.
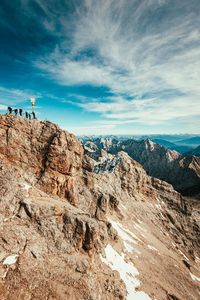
column 74, row 228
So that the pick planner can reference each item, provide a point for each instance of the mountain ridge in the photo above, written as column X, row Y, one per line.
column 157, row 160
column 68, row 232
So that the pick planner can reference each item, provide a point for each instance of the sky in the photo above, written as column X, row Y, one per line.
column 103, row 66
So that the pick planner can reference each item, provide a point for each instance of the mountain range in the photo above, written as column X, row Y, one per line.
column 179, row 143
column 86, row 221
column 182, row 171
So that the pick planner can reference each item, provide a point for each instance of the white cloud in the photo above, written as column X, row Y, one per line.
column 142, row 49
column 148, row 111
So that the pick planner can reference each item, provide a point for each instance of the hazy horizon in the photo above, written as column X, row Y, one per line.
column 152, row 134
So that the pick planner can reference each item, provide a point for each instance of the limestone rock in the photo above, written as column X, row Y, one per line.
column 61, row 211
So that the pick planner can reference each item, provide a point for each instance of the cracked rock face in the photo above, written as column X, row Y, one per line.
column 52, row 156
column 72, row 228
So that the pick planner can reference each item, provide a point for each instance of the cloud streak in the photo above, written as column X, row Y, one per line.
column 10, row 96
column 146, row 53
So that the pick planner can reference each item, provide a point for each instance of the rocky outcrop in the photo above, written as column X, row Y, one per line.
column 76, row 228
column 52, row 156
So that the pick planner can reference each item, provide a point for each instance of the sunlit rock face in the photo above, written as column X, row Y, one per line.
column 73, row 227
column 51, row 155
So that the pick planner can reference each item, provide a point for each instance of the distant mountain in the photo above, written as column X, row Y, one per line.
column 173, row 138
column 173, row 146
column 194, row 141
column 181, row 143
column 182, row 171
column 195, row 151
column 167, row 137
column 164, row 143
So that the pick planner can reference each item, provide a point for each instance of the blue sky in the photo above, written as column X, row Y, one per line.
column 103, row 66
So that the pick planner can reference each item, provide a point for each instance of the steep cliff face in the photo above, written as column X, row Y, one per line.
column 74, row 228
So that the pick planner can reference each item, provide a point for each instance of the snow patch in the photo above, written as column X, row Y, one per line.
column 194, row 278
column 133, row 235
column 107, row 165
column 126, row 271
column 158, row 206
column 150, row 145
column 183, row 254
column 89, row 149
column 26, row 187
column 127, row 236
column 123, row 233
column 10, row 260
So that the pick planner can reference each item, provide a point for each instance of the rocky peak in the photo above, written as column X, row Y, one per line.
column 43, row 149
column 150, row 145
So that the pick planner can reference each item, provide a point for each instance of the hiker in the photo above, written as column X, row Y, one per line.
column 33, row 113
column 26, row 114
column 29, row 116
column 15, row 111
column 20, row 111
column 10, row 110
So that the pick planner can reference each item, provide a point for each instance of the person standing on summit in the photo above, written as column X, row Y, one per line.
column 33, row 113
column 10, row 110
column 20, row 111
column 15, row 111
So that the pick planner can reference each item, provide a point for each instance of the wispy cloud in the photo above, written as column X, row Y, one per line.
column 146, row 50
column 10, row 96
column 144, row 111
column 146, row 53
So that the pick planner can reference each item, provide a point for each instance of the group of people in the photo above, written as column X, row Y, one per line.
column 20, row 111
